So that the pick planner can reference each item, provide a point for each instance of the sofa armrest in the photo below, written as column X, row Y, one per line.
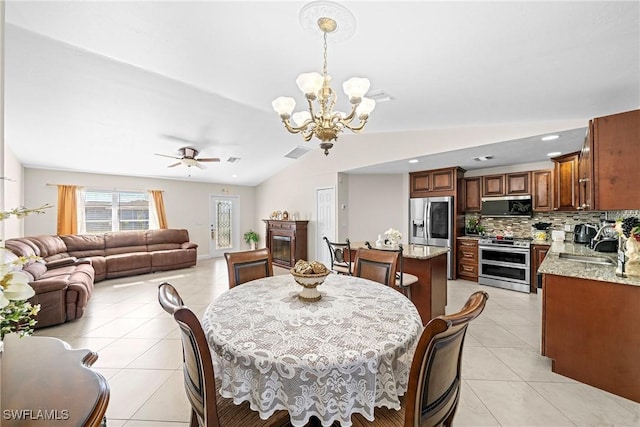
column 189, row 245
column 62, row 262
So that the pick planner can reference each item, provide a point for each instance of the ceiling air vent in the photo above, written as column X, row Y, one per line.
column 483, row 158
column 233, row 159
column 297, row 152
column 379, row 95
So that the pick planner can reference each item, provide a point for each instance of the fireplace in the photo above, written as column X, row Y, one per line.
column 287, row 241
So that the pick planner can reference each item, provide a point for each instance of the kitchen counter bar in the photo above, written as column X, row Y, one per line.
column 429, row 264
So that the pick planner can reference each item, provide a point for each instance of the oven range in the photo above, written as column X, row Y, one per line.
column 505, row 263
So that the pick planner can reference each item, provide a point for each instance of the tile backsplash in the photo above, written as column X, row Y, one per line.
column 521, row 227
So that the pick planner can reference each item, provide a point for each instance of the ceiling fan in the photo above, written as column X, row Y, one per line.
column 188, row 157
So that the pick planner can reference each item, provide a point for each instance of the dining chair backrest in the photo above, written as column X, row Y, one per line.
column 199, row 378
column 248, row 265
column 400, row 272
column 435, row 377
column 379, row 266
column 340, row 253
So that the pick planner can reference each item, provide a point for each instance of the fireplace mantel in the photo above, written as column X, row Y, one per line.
column 287, row 241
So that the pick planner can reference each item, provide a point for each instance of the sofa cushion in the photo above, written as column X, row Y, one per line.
column 159, row 240
column 84, row 245
column 128, row 263
column 51, row 247
column 124, row 242
column 176, row 258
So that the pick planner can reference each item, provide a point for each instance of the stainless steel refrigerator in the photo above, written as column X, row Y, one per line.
column 431, row 223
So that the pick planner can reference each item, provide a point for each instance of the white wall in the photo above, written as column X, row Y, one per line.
column 13, row 193
column 186, row 203
column 377, row 203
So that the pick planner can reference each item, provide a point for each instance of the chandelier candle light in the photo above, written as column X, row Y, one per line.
column 325, row 123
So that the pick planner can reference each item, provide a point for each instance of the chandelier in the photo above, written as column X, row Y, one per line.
column 321, row 120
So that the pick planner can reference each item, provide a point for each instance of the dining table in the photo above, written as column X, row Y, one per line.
column 347, row 353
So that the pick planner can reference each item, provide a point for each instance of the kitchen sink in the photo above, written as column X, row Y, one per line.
column 587, row 258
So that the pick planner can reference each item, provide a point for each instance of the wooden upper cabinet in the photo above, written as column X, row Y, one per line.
column 510, row 184
column 615, row 153
column 565, row 176
column 517, row 183
column 492, row 185
column 472, row 192
column 542, row 190
column 437, row 182
column 585, row 172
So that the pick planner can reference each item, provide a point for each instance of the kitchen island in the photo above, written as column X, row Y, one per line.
column 591, row 320
column 429, row 265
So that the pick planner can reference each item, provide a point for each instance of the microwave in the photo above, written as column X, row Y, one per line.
column 507, row 206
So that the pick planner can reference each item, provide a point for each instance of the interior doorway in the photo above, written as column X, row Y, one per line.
column 224, row 225
column 326, row 222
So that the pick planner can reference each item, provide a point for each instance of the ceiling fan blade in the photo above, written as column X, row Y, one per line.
column 165, row 155
column 198, row 165
column 177, row 138
column 209, row 159
column 174, row 165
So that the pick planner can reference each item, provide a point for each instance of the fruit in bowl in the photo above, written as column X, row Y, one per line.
column 309, row 275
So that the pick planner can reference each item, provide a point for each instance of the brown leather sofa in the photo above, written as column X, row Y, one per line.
column 69, row 265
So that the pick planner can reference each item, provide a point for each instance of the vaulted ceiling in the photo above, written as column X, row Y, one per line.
column 102, row 86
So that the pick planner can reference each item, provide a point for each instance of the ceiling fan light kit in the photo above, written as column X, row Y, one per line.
column 188, row 157
column 325, row 123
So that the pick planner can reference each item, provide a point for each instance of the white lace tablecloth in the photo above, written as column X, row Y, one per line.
column 347, row 353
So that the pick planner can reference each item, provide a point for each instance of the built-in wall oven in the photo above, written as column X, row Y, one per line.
column 505, row 264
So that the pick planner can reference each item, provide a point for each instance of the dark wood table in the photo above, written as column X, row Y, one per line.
column 46, row 383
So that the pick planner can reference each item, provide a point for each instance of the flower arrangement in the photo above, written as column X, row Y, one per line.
column 393, row 236
column 16, row 313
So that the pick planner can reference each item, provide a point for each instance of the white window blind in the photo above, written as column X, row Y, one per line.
column 116, row 211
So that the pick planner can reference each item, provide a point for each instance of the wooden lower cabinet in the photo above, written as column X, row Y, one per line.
column 590, row 331
column 538, row 252
column 467, row 259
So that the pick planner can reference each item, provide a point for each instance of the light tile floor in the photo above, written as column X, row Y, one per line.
column 506, row 380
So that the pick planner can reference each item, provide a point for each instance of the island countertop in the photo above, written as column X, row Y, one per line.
column 410, row 251
column 553, row 264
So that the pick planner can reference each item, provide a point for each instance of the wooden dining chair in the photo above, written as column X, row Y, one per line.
column 403, row 280
column 340, row 253
column 435, row 378
column 379, row 266
column 208, row 408
column 248, row 265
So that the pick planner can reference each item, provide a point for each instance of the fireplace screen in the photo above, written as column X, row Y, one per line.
column 281, row 248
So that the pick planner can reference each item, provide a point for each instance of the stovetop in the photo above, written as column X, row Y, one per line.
column 493, row 241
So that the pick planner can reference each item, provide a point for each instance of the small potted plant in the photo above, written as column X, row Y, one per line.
column 251, row 237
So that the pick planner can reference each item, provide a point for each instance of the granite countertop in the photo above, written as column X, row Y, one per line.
column 411, row 251
column 553, row 264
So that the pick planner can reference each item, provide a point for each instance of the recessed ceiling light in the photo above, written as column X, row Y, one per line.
column 414, row 161
column 483, row 158
column 555, row 153
column 550, row 137
column 234, row 176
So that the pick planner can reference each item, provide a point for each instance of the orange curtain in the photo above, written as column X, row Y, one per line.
column 159, row 203
column 67, row 210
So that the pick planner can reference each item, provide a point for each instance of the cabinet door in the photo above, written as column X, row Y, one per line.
column 472, row 194
column 517, row 183
column 443, row 180
column 538, row 252
column 542, row 194
column 419, row 183
column 616, row 170
column 493, row 185
column 566, row 182
column 585, row 182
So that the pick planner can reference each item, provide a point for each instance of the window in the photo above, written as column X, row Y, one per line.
column 115, row 211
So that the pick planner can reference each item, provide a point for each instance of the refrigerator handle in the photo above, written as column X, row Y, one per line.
column 427, row 222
